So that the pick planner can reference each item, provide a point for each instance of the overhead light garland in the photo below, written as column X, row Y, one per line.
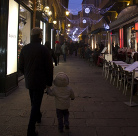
column 75, row 32
column 84, row 20
column 88, row 8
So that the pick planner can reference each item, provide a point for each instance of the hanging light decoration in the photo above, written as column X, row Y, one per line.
column 87, row 10
column 84, row 21
column 75, row 32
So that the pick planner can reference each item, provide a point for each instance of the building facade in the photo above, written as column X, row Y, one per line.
column 17, row 18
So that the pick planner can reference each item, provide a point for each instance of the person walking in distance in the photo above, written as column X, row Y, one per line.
column 47, row 44
column 57, row 50
column 64, row 50
column 35, row 62
column 62, row 93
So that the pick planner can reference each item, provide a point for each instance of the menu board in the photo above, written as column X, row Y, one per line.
column 132, row 66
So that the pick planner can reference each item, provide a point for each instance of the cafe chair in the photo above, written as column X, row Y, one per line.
column 114, row 74
column 121, row 78
column 108, row 69
column 129, row 81
column 104, row 65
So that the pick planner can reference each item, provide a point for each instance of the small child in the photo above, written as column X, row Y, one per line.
column 63, row 93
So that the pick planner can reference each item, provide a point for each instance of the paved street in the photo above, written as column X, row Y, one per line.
column 98, row 109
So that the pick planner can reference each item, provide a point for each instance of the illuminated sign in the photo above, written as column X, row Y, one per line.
column 12, row 37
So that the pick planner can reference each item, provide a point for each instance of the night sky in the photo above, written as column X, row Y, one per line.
column 74, row 6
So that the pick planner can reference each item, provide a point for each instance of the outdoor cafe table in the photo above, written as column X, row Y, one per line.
column 126, row 65
column 118, row 62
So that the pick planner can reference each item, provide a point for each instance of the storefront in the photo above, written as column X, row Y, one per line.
column 16, row 20
column 99, row 35
column 132, row 35
column 9, row 17
column 124, row 29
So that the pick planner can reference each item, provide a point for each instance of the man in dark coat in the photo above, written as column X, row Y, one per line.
column 35, row 63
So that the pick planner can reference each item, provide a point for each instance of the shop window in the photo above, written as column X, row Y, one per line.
column 24, row 28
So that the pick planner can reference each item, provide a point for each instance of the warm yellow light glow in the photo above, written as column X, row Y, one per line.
column 67, row 13
column 128, row 3
column 46, row 9
column 116, row 15
column 68, row 29
column 68, row 25
column 49, row 13
column 54, row 22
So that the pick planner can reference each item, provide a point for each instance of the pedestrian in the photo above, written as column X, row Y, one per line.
column 47, row 44
column 57, row 50
column 64, row 50
column 101, row 46
column 76, row 48
column 62, row 93
column 35, row 63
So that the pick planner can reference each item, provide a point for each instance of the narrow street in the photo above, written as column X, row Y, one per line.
column 98, row 109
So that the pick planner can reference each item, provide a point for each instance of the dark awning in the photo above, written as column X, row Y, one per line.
column 96, row 31
column 126, row 16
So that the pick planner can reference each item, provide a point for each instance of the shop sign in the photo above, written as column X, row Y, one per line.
column 12, row 37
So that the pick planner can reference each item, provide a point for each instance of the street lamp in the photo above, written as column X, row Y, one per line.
column 68, row 25
column 67, row 13
column 54, row 22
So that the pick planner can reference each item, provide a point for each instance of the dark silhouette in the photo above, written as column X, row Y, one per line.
column 57, row 50
column 47, row 44
column 35, row 63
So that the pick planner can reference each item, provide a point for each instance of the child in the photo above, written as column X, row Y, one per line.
column 62, row 93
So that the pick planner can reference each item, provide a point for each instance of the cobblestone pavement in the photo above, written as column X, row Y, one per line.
column 98, row 109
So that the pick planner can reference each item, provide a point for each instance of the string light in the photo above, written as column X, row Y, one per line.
column 75, row 32
column 84, row 20
column 88, row 8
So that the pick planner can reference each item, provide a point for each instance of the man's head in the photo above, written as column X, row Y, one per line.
column 36, row 33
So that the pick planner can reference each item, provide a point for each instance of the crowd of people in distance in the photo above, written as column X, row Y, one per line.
column 87, row 53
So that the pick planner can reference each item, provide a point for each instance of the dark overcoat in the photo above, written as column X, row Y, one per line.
column 35, row 63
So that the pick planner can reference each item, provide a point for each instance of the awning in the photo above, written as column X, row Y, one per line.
column 126, row 16
column 96, row 31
